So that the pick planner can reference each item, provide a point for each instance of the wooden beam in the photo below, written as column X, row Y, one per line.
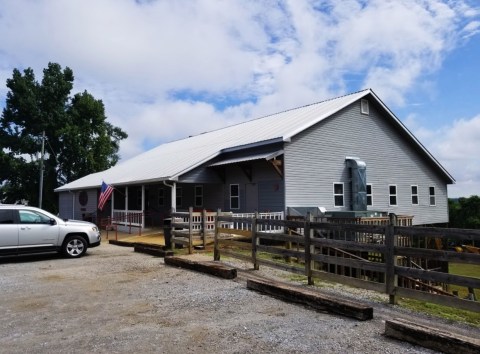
column 312, row 299
column 277, row 165
column 430, row 337
column 212, row 268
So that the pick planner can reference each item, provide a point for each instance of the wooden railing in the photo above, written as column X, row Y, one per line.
column 397, row 260
column 188, row 228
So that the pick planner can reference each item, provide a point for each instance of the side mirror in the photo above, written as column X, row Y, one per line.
column 53, row 222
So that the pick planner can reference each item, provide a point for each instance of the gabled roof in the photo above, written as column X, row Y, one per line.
column 170, row 160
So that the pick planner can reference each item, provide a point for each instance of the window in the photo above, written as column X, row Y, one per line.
column 392, row 192
column 179, row 199
column 6, row 216
column 161, row 197
column 198, row 196
column 33, row 217
column 369, row 195
column 431, row 192
column 338, row 194
column 234, row 196
column 364, row 107
column 139, row 199
column 414, row 195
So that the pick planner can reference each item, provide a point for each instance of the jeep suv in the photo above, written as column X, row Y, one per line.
column 25, row 229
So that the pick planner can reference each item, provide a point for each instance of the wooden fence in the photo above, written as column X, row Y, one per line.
column 198, row 227
column 401, row 261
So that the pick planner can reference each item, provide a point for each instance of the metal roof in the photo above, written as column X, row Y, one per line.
column 170, row 160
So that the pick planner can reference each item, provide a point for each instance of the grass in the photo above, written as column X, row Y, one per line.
column 449, row 313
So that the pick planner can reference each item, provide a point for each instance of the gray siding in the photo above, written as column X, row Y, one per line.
column 315, row 159
column 65, row 205
column 269, row 185
column 70, row 207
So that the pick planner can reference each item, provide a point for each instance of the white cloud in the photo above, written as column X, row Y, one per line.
column 456, row 147
column 161, row 67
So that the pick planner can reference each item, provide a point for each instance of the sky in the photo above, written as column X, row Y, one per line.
column 168, row 69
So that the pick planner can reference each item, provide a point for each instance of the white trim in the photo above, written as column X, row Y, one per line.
column 414, row 194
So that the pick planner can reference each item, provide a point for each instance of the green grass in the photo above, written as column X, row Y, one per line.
column 449, row 313
column 467, row 270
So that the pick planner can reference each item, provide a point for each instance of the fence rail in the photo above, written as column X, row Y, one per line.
column 397, row 260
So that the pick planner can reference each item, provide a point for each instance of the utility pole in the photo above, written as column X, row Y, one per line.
column 40, row 193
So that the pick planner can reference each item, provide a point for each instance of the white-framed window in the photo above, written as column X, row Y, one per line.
column 198, row 196
column 234, row 196
column 364, row 108
column 431, row 193
column 392, row 194
column 161, row 197
column 414, row 195
column 338, row 198
column 369, row 195
column 179, row 194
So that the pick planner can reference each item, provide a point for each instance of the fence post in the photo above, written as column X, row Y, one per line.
column 255, row 242
column 216, row 250
column 204, row 228
column 190, row 230
column 391, row 279
column 308, row 249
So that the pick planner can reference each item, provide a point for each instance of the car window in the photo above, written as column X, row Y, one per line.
column 6, row 216
column 33, row 217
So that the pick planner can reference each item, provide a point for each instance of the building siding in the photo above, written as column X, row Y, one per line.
column 315, row 159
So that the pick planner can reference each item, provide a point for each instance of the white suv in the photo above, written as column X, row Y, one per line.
column 25, row 229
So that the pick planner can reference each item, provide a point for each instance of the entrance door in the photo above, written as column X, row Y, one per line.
column 251, row 197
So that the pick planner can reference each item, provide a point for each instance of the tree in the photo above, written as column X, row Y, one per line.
column 78, row 138
column 465, row 213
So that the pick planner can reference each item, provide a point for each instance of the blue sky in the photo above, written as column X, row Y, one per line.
column 167, row 69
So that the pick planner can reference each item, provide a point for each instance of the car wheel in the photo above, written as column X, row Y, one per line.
column 74, row 246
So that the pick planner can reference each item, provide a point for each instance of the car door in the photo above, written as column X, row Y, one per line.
column 8, row 232
column 36, row 232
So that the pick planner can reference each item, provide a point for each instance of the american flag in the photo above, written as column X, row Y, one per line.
column 105, row 193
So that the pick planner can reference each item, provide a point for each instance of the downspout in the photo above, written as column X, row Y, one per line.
column 173, row 202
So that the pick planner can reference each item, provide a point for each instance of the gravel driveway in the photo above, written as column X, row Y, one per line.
column 114, row 300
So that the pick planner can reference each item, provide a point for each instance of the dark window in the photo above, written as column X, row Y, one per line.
column 431, row 192
column 161, row 197
column 198, row 196
column 234, row 196
column 415, row 195
column 392, row 194
column 179, row 196
column 338, row 194
column 369, row 195
column 6, row 216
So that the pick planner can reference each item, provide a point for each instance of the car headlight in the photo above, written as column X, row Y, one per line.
column 95, row 229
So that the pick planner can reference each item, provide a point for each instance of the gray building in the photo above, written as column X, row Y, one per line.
column 345, row 154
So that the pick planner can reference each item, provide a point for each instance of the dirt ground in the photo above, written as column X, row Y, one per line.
column 114, row 300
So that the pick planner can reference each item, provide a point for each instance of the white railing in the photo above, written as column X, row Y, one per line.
column 127, row 218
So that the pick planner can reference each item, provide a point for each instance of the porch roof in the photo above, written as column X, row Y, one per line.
column 265, row 156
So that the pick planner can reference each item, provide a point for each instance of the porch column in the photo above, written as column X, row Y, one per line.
column 173, row 202
column 143, row 206
column 126, row 205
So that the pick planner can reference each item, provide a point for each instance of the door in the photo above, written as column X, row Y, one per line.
column 251, row 196
column 36, row 232
column 8, row 232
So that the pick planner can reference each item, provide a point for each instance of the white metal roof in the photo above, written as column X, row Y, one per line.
column 170, row 160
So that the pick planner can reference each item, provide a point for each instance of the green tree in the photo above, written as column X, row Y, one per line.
column 78, row 138
column 465, row 213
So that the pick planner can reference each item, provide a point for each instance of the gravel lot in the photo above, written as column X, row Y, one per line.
column 114, row 300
